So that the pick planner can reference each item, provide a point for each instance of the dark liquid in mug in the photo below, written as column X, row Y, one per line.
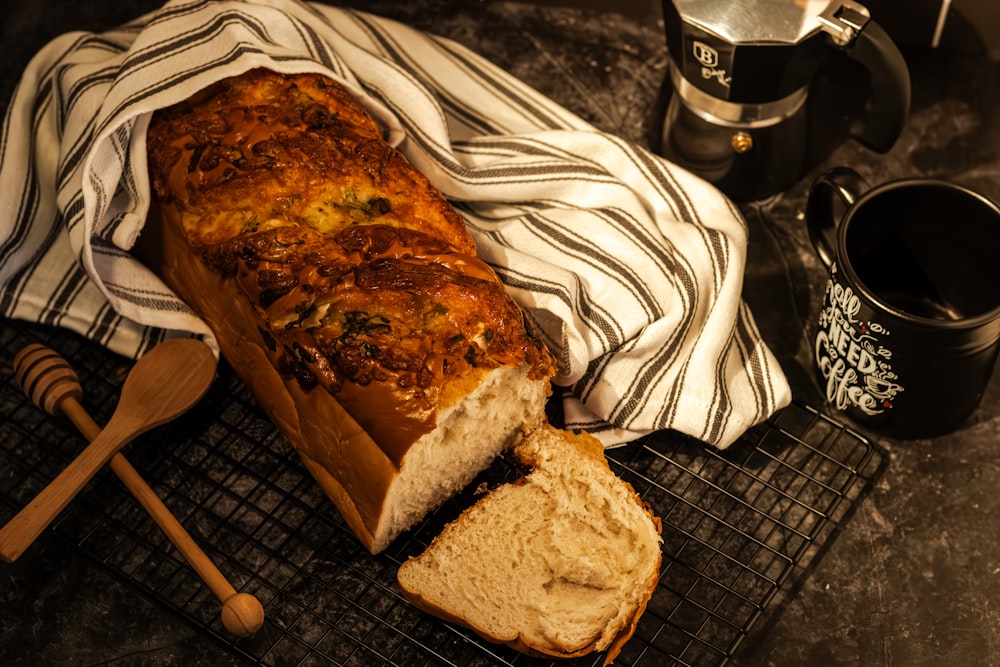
column 927, row 252
column 921, row 305
column 905, row 282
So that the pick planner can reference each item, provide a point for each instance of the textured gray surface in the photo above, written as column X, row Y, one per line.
column 913, row 578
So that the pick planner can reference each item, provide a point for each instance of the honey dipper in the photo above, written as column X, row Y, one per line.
column 52, row 384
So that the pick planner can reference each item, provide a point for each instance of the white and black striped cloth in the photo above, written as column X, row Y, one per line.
column 631, row 268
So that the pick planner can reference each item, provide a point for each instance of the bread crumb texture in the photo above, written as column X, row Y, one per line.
column 560, row 563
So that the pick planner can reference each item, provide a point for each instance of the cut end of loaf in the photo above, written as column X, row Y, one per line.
column 345, row 291
column 561, row 563
column 469, row 435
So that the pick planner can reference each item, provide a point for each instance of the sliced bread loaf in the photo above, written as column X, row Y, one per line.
column 344, row 290
column 560, row 563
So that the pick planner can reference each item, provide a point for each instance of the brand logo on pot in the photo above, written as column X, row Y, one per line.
column 705, row 54
column 850, row 356
column 709, row 59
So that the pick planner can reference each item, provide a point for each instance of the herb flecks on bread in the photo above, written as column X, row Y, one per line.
column 344, row 290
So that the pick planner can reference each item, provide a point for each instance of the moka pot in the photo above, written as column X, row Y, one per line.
column 735, row 107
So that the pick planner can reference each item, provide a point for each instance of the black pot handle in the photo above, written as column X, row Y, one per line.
column 830, row 195
column 864, row 41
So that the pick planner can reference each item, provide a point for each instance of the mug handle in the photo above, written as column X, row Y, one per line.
column 830, row 195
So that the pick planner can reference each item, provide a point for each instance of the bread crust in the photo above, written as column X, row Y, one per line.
column 342, row 287
column 528, row 648
column 587, row 447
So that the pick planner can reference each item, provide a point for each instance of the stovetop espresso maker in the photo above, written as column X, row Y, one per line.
column 757, row 89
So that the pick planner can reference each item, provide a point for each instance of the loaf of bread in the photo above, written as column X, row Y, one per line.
column 344, row 290
column 579, row 561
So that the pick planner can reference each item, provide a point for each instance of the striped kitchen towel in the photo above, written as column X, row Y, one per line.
column 630, row 268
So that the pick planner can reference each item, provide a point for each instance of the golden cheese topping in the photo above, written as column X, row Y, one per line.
column 362, row 275
column 265, row 147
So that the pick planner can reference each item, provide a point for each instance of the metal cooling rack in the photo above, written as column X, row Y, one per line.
column 741, row 527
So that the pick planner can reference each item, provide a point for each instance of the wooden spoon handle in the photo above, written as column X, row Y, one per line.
column 154, row 506
column 242, row 614
column 52, row 385
column 163, row 384
column 18, row 534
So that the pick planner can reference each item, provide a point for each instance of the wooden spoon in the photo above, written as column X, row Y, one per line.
column 52, row 384
column 164, row 383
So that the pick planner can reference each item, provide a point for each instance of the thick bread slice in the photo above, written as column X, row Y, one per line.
column 344, row 290
column 560, row 563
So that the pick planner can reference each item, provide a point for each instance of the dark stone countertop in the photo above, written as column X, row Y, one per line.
column 912, row 579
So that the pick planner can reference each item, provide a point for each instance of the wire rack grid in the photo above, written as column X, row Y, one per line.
column 742, row 527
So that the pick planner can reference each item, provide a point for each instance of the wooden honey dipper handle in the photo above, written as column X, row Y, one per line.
column 52, row 384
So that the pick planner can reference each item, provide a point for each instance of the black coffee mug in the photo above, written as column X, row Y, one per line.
column 909, row 330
